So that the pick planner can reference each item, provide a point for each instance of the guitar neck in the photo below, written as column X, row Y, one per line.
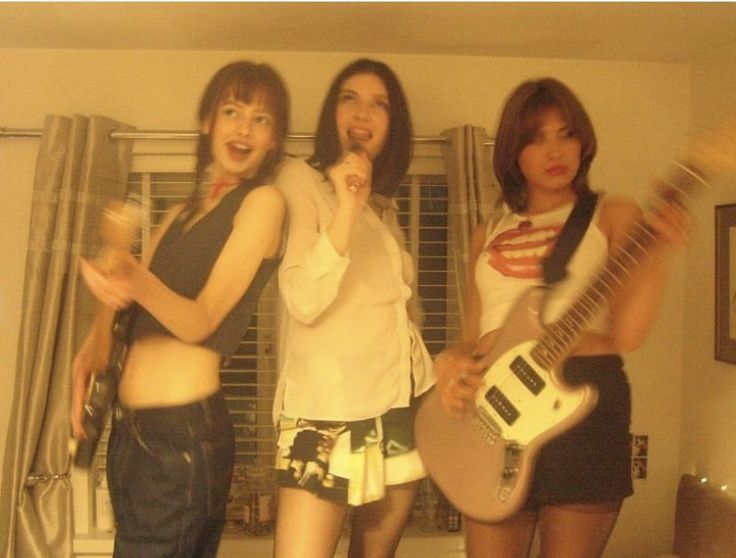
column 561, row 336
column 101, row 336
column 119, row 228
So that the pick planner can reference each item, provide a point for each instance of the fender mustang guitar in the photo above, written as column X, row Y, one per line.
column 119, row 229
column 483, row 461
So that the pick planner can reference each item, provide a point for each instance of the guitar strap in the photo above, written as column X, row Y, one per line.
column 554, row 267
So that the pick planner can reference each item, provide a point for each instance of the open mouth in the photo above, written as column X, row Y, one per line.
column 238, row 151
column 359, row 134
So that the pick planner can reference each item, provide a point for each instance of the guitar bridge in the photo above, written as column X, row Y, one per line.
column 487, row 426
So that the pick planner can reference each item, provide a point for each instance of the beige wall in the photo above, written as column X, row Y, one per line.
column 640, row 111
column 709, row 386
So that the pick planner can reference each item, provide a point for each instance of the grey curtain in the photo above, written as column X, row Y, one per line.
column 79, row 170
column 473, row 198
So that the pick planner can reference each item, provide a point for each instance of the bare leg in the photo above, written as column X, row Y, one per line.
column 577, row 530
column 307, row 526
column 377, row 527
column 511, row 538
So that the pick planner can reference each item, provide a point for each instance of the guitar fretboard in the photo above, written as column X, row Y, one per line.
column 560, row 336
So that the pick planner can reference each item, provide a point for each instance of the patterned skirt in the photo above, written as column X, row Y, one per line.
column 348, row 462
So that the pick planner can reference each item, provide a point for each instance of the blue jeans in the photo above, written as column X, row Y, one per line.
column 169, row 472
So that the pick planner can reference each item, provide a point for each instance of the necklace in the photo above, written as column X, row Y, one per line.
column 215, row 188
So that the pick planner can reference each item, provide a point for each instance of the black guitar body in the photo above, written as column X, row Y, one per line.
column 100, row 398
column 102, row 393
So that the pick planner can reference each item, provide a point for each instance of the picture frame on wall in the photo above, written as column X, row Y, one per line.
column 725, row 333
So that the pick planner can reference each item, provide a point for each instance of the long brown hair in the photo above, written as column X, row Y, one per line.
column 519, row 122
column 392, row 163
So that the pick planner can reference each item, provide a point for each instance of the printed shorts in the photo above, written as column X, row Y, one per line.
column 348, row 462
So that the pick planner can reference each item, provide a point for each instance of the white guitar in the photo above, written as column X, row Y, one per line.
column 483, row 462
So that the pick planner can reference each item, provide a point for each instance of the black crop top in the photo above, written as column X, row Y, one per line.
column 183, row 261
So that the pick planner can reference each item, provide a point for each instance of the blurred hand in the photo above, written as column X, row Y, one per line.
column 459, row 374
column 669, row 219
column 114, row 289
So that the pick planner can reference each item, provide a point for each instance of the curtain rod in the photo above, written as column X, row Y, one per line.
column 172, row 135
column 188, row 135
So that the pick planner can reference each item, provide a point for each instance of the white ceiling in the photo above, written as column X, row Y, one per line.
column 657, row 31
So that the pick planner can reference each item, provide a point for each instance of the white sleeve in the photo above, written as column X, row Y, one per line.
column 311, row 271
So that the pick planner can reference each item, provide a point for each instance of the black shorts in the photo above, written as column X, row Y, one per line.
column 592, row 462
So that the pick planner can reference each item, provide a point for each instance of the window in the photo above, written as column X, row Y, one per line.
column 249, row 377
column 422, row 202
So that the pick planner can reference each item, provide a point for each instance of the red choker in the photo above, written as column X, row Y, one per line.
column 216, row 186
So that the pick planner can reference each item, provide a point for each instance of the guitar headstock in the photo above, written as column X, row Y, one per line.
column 713, row 152
column 709, row 156
column 120, row 224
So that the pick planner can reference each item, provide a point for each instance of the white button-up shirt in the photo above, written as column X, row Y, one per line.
column 349, row 350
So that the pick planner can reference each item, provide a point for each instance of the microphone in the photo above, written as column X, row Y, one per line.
column 354, row 181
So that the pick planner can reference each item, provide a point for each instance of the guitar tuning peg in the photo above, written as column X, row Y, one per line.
column 712, row 152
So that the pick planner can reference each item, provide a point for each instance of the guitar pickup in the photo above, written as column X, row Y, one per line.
column 527, row 376
column 501, row 404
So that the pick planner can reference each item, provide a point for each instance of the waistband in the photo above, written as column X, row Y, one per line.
column 612, row 359
column 598, row 369
column 191, row 417
column 395, row 414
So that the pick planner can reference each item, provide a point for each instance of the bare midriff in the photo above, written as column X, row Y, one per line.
column 162, row 371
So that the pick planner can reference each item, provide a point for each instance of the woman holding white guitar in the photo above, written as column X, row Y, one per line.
column 544, row 148
column 171, row 450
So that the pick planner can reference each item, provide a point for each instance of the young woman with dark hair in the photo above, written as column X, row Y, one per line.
column 171, row 451
column 543, row 150
column 391, row 163
column 352, row 361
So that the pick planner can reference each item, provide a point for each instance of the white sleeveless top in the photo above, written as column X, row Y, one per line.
column 511, row 263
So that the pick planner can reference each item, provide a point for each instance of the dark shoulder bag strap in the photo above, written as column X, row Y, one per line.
column 554, row 266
